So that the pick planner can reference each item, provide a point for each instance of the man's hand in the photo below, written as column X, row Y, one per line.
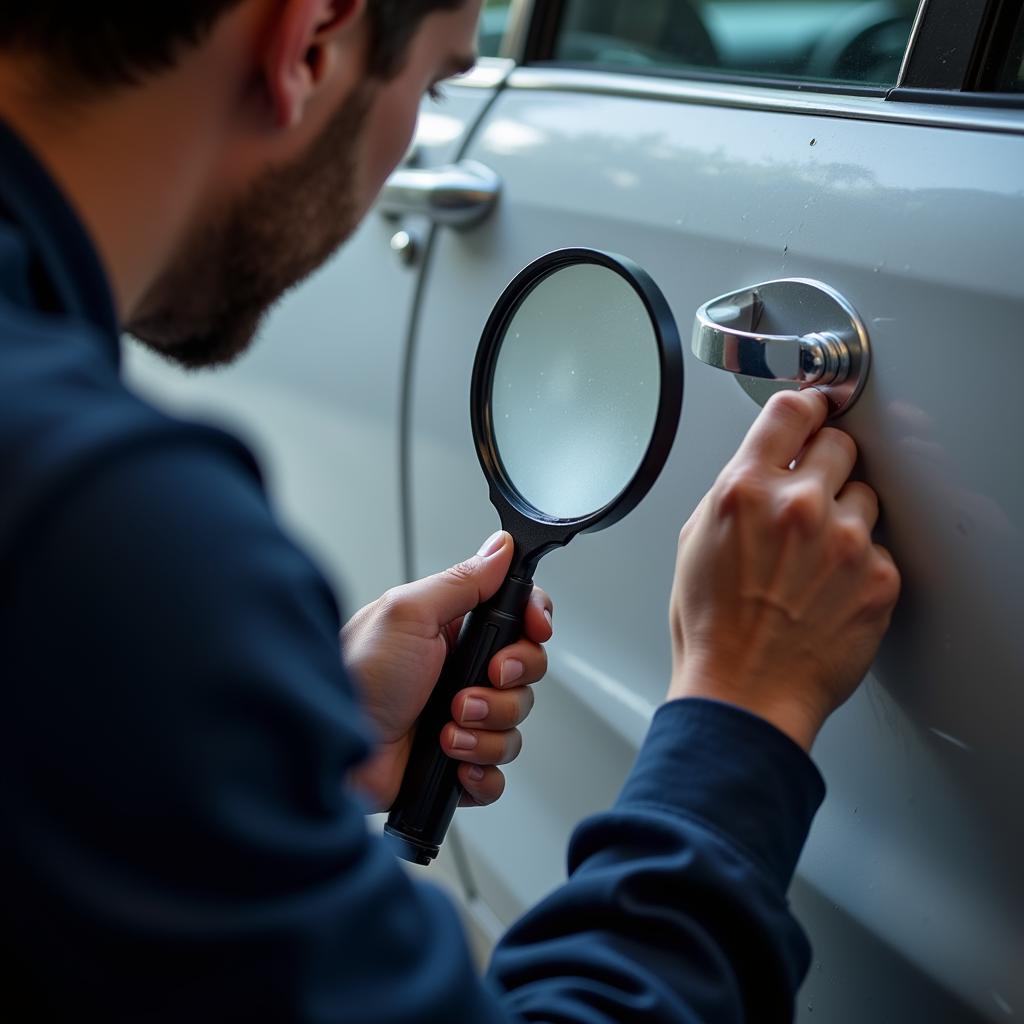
column 395, row 649
column 781, row 599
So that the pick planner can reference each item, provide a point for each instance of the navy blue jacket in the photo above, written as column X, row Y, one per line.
column 176, row 725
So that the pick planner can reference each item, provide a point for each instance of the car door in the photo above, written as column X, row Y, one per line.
column 722, row 144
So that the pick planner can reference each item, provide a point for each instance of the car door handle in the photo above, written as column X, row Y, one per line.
column 459, row 195
column 745, row 332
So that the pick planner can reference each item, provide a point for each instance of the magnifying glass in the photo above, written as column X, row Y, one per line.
column 575, row 402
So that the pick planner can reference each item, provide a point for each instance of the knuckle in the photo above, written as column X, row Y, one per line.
column 396, row 604
column 802, row 508
column 840, row 439
column 882, row 589
column 862, row 490
column 888, row 581
column 738, row 489
column 850, row 540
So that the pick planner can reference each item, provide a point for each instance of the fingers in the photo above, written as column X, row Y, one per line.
column 522, row 664
column 859, row 500
column 537, row 625
column 483, row 786
column 481, row 708
column 477, row 746
column 830, row 457
column 456, row 591
column 526, row 662
column 784, row 427
column 484, row 732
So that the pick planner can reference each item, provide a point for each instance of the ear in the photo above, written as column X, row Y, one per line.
column 297, row 56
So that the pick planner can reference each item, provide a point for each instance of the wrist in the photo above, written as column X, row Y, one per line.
column 778, row 705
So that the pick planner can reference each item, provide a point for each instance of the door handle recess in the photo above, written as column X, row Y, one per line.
column 458, row 195
column 792, row 331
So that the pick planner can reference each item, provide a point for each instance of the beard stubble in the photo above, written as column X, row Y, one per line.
column 207, row 307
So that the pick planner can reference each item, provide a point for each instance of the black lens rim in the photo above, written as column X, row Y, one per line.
column 534, row 531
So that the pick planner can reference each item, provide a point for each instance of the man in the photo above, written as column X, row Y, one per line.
column 185, row 765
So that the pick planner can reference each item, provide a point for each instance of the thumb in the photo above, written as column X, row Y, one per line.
column 457, row 591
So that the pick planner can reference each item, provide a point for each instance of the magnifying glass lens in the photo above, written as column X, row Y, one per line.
column 576, row 391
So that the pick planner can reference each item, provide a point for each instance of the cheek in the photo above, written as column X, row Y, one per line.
column 390, row 127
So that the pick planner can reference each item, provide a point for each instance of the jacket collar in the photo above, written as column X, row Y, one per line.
column 66, row 274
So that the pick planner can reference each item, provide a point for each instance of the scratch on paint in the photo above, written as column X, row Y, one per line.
column 1002, row 1003
column 952, row 739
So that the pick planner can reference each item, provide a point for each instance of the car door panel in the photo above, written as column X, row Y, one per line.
column 919, row 226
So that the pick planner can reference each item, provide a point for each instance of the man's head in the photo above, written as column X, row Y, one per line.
column 286, row 118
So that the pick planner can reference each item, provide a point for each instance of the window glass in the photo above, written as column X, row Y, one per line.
column 843, row 41
column 493, row 22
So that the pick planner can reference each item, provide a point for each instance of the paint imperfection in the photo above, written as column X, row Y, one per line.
column 951, row 739
column 1002, row 1004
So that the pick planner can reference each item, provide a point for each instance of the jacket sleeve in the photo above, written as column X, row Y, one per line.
column 180, row 844
column 675, row 909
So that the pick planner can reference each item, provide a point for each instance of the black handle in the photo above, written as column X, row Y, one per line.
column 430, row 790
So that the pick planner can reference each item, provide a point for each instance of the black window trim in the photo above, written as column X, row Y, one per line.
column 955, row 98
column 1000, row 41
column 944, row 53
column 937, row 68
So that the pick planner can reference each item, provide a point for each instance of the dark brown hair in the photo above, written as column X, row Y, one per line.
column 119, row 42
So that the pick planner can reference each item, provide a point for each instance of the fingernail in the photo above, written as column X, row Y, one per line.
column 475, row 710
column 493, row 544
column 511, row 671
column 547, row 615
column 476, row 773
column 463, row 740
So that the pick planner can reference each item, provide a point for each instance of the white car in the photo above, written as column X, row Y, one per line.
column 876, row 147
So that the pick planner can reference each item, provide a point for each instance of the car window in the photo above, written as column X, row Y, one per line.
column 829, row 41
column 493, row 22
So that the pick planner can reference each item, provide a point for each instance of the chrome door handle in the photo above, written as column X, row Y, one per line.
column 742, row 332
column 459, row 195
column 725, row 339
